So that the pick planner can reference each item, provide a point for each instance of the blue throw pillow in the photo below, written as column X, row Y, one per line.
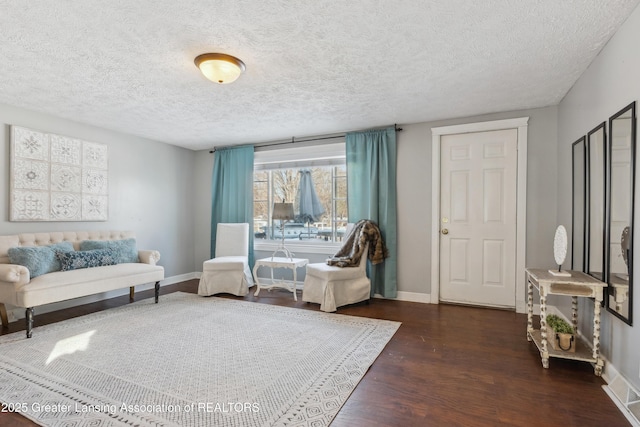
column 125, row 249
column 86, row 259
column 39, row 259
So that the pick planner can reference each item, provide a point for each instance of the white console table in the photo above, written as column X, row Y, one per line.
column 578, row 284
column 279, row 262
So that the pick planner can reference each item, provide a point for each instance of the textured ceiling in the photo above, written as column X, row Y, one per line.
column 313, row 67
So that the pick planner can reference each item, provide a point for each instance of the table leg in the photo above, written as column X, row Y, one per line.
column 596, row 337
column 273, row 282
column 544, row 353
column 293, row 285
column 529, row 310
column 574, row 314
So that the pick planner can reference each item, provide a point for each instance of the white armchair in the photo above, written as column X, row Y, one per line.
column 229, row 271
column 333, row 287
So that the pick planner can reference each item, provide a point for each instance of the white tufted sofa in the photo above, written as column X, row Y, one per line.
column 17, row 288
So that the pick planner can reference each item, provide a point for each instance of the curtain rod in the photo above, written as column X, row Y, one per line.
column 295, row 141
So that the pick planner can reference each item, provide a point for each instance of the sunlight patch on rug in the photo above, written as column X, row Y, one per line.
column 70, row 345
column 191, row 361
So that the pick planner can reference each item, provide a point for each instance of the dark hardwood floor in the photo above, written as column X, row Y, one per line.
column 446, row 366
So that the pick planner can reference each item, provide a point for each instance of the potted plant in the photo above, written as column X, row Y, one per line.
column 560, row 334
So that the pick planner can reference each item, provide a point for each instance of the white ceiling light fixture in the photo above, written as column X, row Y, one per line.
column 219, row 67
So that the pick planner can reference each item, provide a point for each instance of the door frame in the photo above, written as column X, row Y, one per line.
column 521, row 124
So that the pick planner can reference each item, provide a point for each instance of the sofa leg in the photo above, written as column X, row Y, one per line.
column 132, row 291
column 3, row 315
column 157, row 291
column 29, row 318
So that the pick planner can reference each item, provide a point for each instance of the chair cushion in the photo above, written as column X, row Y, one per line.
column 330, row 272
column 225, row 263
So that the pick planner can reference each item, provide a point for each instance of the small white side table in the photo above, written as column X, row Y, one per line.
column 578, row 284
column 279, row 262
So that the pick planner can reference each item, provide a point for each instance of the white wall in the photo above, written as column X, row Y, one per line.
column 149, row 188
column 201, row 190
column 610, row 83
column 414, row 197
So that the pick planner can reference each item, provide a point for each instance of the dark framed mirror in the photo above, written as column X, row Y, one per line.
column 621, row 178
column 596, row 202
column 579, row 204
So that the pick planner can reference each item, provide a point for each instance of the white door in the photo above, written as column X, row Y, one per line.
column 478, row 189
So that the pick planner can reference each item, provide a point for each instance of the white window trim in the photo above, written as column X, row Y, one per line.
column 323, row 248
column 298, row 157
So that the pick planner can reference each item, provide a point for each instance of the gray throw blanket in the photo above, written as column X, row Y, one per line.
column 353, row 247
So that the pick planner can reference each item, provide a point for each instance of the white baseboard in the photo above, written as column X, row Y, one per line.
column 409, row 296
column 19, row 313
column 610, row 372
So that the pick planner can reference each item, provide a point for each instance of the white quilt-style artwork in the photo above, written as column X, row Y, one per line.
column 57, row 178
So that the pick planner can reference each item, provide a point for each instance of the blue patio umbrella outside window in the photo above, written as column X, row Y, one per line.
column 309, row 206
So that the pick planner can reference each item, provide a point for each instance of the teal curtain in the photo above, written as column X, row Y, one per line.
column 371, row 184
column 232, row 191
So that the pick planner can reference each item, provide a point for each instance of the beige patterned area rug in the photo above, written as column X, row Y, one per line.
column 190, row 361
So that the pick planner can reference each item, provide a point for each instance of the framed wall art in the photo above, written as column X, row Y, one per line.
column 57, row 178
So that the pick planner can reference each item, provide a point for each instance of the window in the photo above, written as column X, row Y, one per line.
column 277, row 178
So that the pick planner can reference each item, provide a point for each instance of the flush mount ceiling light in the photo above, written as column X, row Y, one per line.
column 220, row 68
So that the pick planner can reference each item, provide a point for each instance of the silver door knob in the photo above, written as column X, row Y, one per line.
column 445, row 231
